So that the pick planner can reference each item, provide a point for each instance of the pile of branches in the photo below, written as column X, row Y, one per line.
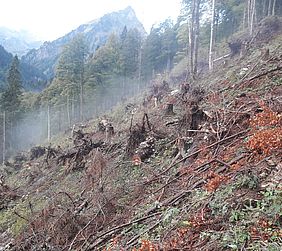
column 75, row 157
column 137, row 134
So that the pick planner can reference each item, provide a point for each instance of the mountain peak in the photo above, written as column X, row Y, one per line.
column 17, row 42
column 95, row 32
column 129, row 9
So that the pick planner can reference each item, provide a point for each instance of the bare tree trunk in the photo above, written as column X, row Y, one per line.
column 48, row 124
column 4, row 138
column 189, row 51
column 253, row 10
column 73, row 113
column 269, row 7
column 191, row 31
column 168, row 64
column 249, row 12
column 191, row 36
column 68, row 110
column 264, row 8
column 255, row 15
column 212, row 37
column 197, row 31
column 244, row 17
column 60, row 119
column 81, row 96
column 81, row 102
column 139, row 69
column 273, row 7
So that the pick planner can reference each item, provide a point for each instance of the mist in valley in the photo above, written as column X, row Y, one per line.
column 44, row 124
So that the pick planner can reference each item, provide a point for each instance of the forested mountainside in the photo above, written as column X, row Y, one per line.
column 170, row 142
column 95, row 34
column 32, row 79
column 38, row 65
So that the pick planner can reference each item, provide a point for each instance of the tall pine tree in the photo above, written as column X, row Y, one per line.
column 11, row 97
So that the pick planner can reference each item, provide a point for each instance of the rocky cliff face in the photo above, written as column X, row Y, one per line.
column 95, row 32
column 17, row 42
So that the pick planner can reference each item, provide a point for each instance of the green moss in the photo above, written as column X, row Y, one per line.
column 10, row 218
column 236, row 238
column 220, row 204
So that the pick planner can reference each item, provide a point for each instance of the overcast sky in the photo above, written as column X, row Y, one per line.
column 50, row 19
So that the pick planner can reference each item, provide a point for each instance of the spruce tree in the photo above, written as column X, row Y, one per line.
column 11, row 97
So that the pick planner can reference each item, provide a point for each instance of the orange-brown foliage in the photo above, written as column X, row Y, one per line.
column 267, row 132
column 215, row 180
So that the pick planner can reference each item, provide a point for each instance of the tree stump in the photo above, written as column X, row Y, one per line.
column 169, row 109
column 109, row 131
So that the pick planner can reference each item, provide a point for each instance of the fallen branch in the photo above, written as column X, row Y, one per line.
column 117, row 228
column 180, row 176
column 177, row 197
column 200, row 150
column 265, row 73
column 81, row 230
column 172, row 122
column 223, row 57
column 20, row 216
column 134, row 239
column 225, row 165
column 222, row 162
column 249, row 72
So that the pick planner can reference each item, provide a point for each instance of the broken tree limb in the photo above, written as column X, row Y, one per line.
column 225, row 165
column 222, row 162
column 173, row 122
column 180, row 176
column 117, row 228
column 177, row 197
column 223, row 57
column 200, row 150
column 81, row 230
column 133, row 241
column 20, row 216
column 265, row 73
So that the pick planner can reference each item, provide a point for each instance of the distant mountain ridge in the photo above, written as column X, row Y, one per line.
column 95, row 32
column 17, row 42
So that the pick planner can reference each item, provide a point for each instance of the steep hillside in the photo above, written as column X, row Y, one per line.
column 96, row 34
column 194, row 166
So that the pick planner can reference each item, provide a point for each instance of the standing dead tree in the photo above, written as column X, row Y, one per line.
column 193, row 29
column 212, row 36
column 138, row 134
column 251, row 15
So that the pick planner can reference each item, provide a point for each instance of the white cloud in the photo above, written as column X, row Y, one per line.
column 50, row 19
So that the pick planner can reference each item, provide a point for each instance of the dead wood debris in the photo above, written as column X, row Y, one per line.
column 7, row 194
column 75, row 156
column 123, row 208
